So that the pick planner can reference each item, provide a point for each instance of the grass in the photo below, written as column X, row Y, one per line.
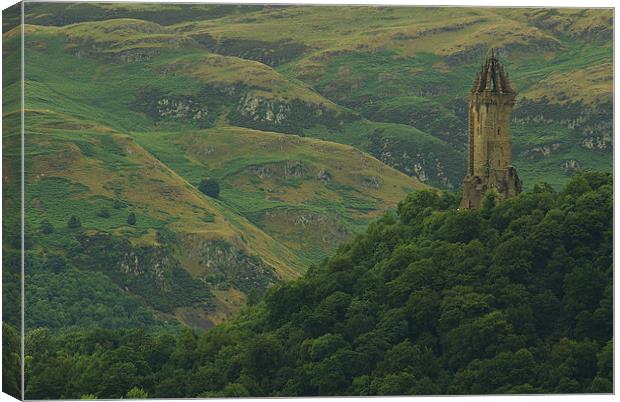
column 79, row 173
column 237, row 156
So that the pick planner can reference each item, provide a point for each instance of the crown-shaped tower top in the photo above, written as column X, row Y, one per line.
column 492, row 77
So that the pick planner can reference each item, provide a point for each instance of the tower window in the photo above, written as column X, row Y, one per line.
column 498, row 131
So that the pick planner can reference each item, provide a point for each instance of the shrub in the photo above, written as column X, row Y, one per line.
column 103, row 213
column 74, row 222
column 131, row 219
column 209, row 187
column 46, row 227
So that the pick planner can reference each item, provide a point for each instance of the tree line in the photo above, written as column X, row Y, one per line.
column 515, row 297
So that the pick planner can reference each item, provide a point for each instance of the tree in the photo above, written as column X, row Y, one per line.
column 56, row 263
column 131, row 219
column 210, row 187
column 74, row 222
column 137, row 393
column 46, row 227
column 489, row 202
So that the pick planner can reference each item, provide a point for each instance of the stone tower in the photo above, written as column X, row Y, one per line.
column 489, row 166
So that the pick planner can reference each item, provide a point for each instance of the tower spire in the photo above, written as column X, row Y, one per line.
column 492, row 76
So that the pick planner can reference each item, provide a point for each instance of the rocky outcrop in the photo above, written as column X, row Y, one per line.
column 151, row 272
column 124, row 52
column 223, row 264
column 306, row 228
column 590, row 125
column 285, row 116
column 324, row 175
column 181, row 109
column 200, row 109
column 602, row 142
column 424, row 161
column 372, row 182
column 280, row 170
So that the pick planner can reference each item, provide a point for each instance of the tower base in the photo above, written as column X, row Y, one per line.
column 504, row 182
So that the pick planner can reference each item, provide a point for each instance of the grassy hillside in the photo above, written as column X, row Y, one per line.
column 99, row 150
column 264, row 68
column 101, row 176
column 415, row 65
column 310, row 195
column 313, row 120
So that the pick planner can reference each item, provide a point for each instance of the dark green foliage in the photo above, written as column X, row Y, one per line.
column 74, row 222
column 270, row 53
column 60, row 297
column 210, row 187
column 131, row 218
column 513, row 298
column 148, row 271
column 11, row 286
column 104, row 213
column 137, row 393
column 46, row 227
column 11, row 365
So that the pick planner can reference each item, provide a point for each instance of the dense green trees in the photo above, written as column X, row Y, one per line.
column 513, row 298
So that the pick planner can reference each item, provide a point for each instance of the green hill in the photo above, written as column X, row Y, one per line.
column 110, row 135
column 313, row 121
column 299, row 70
column 512, row 299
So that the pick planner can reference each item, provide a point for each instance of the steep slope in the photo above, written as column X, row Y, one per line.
column 311, row 195
column 93, row 89
column 178, row 83
column 100, row 176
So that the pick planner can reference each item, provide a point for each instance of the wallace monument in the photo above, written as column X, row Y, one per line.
column 489, row 166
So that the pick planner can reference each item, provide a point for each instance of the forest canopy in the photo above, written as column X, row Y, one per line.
column 512, row 298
